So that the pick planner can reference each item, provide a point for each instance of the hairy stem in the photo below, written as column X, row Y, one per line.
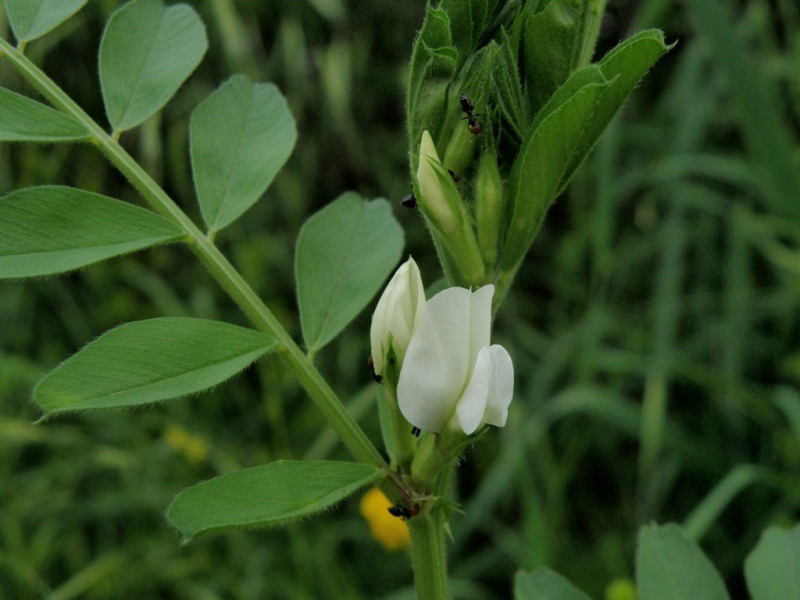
column 428, row 555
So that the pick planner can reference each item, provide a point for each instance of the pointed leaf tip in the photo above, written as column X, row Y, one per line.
column 31, row 19
column 52, row 229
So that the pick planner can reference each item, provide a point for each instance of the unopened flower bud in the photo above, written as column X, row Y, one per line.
column 432, row 187
column 397, row 316
column 489, row 206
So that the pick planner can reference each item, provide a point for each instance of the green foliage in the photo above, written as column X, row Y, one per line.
column 651, row 328
column 773, row 568
column 565, row 130
column 25, row 120
column 52, row 229
column 433, row 63
column 147, row 52
column 31, row 19
column 545, row 584
column 148, row 361
column 533, row 64
column 241, row 136
column 541, row 166
column 670, row 566
column 272, row 494
column 345, row 252
column 768, row 136
column 552, row 46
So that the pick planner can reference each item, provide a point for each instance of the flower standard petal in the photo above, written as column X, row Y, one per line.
column 480, row 320
column 437, row 361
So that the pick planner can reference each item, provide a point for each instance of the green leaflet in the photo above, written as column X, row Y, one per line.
column 564, row 132
column 545, row 584
column 147, row 361
column 26, row 120
column 773, row 568
column 241, row 136
column 52, row 229
column 670, row 566
column 344, row 254
column 268, row 495
column 147, row 52
column 433, row 64
column 540, row 168
column 552, row 46
column 30, row 19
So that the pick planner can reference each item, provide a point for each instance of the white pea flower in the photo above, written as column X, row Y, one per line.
column 397, row 315
column 451, row 377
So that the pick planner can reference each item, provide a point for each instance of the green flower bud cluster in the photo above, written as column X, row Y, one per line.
column 503, row 107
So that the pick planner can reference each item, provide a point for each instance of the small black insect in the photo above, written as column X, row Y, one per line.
column 409, row 201
column 455, row 177
column 466, row 104
column 375, row 376
column 403, row 512
column 475, row 127
column 415, row 431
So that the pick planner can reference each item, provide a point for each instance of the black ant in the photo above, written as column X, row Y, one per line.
column 375, row 376
column 403, row 512
column 466, row 104
column 475, row 127
column 455, row 177
column 409, row 201
column 415, row 431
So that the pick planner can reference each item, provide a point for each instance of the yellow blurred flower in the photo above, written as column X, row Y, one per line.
column 193, row 447
column 621, row 588
column 391, row 532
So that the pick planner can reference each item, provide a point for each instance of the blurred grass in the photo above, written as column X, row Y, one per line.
column 654, row 327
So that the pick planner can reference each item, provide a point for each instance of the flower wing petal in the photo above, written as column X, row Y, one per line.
column 501, row 387
column 472, row 404
column 437, row 361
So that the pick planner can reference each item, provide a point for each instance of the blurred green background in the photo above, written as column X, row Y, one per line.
column 653, row 328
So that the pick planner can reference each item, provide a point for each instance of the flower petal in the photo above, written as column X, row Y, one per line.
column 437, row 361
column 472, row 404
column 489, row 392
column 480, row 321
column 501, row 387
column 398, row 312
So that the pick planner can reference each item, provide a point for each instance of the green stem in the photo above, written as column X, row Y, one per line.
column 404, row 441
column 428, row 555
column 503, row 283
column 226, row 275
column 591, row 32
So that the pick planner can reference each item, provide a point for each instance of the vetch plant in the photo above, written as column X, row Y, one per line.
column 504, row 103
